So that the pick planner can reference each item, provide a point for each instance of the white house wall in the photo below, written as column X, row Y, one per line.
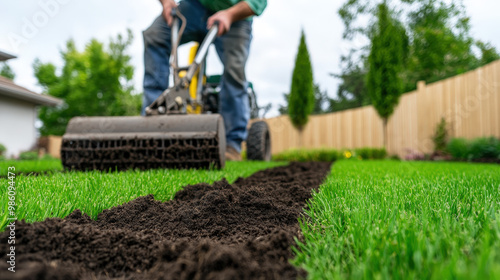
column 17, row 125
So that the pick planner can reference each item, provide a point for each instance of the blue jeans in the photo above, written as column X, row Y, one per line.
column 232, row 48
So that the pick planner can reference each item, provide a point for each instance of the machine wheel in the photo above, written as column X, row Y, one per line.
column 259, row 142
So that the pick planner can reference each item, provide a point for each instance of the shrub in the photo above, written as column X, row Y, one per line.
column 348, row 154
column 395, row 157
column 484, row 148
column 365, row 153
column 458, row 148
column 477, row 149
column 440, row 137
column 327, row 155
column 330, row 154
column 379, row 153
column 371, row 153
column 303, row 155
column 29, row 155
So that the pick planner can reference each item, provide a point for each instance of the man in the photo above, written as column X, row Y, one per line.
column 232, row 45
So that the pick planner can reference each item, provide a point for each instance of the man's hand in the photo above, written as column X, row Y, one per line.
column 225, row 19
column 168, row 5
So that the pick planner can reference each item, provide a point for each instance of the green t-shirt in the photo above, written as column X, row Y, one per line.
column 257, row 6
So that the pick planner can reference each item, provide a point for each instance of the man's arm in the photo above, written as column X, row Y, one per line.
column 226, row 17
column 168, row 5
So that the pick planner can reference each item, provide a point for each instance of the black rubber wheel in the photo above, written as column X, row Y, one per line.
column 259, row 142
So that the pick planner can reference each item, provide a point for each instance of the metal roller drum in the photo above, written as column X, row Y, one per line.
column 166, row 141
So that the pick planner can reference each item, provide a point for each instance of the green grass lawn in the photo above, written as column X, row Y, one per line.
column 27, row 166
column 59, row 194
column 369, row 220
column 404, row 220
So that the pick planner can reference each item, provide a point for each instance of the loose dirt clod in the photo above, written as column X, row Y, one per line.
column 242, row 230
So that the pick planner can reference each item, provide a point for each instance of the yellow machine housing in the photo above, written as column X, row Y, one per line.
column 193, row 87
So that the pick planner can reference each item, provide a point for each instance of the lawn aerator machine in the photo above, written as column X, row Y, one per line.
column 181, row 129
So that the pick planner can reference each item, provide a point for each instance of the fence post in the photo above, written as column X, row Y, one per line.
column 54, row 146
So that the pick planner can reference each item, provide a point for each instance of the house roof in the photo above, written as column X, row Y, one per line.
column 10, row 89
column 5, row 56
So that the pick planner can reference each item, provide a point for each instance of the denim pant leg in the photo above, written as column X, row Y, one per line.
column 233, row 49
column 157, row 48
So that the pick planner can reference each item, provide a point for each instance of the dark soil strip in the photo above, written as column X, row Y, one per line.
column 220, row 231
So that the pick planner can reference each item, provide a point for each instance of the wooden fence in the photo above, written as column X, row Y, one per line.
column 470, row 103
column 51, row 145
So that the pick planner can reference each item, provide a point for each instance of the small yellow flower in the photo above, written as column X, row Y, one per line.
column 347, row 154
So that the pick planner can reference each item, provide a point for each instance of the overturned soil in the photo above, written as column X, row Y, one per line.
column 243, row 230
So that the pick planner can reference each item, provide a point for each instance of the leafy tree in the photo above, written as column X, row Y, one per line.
column 265, row 109
column 7, row 72
column 93, row 82
column 301, row 99
column 488, row 53
column 442, row 46
column 283, row 109
column 341, row 104
column 386, row 62
column 440, row 43
column 352, row 91
column 320, row 100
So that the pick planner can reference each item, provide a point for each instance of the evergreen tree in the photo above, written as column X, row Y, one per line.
column 386, row 61
column 301, row 98
column 320, row 100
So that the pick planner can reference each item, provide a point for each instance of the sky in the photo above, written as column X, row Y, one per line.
column 33, row 29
